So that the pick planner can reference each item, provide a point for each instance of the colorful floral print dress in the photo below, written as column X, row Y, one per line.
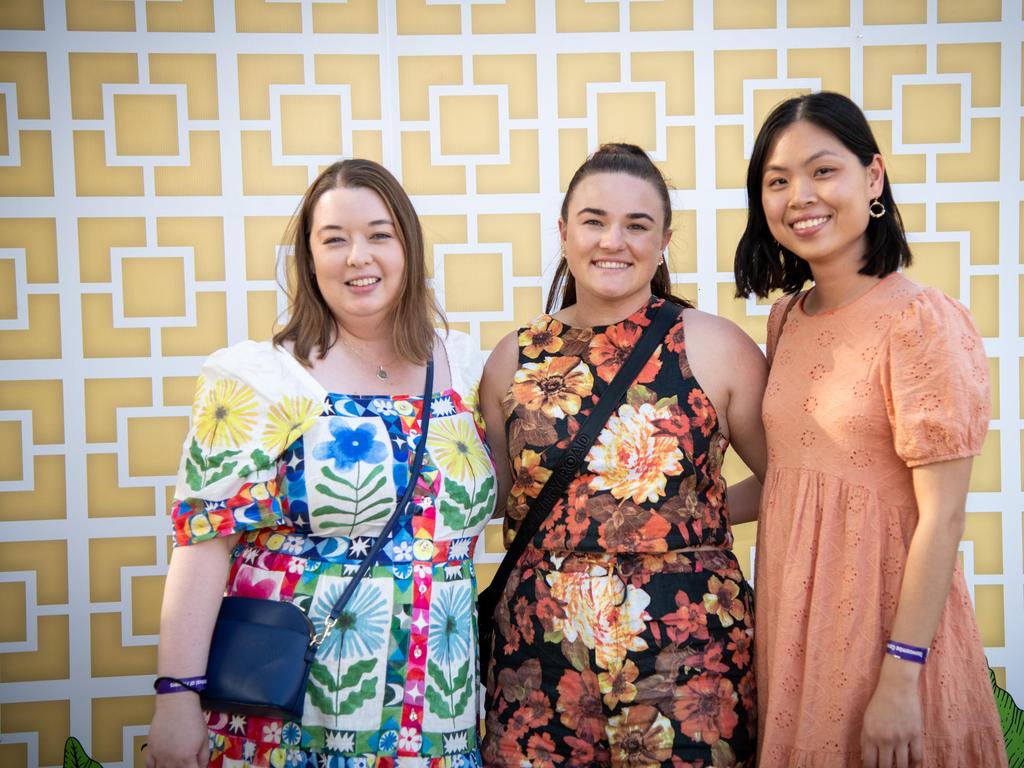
column 617, row 642
column 310, row 478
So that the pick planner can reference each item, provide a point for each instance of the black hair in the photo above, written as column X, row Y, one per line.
column 615, row 158
column 762, row 265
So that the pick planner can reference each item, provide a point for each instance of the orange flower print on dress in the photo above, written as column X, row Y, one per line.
column 631, row 459
column 688, row 620
column 740, row 641
column 704, row 415
column 555, row 386
column 609, row 350
column 617, row 684
column 579, row 704
column 542, row 336
column 722, row 599
column 639, row 737
column 705, row 708
column 529, row 475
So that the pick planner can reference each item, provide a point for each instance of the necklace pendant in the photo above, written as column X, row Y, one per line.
column 382, row 375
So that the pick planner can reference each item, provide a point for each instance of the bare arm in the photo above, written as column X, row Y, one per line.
column 495, row 384
column 892, row 732
column 192, row 595
column 733, row 373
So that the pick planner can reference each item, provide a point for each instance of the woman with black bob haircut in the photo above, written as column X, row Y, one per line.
column 762, row 264
column 867, row 650
column 623, row 633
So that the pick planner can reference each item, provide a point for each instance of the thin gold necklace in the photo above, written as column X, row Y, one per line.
column 382, row 372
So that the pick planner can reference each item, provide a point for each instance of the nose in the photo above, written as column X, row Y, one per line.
column 611, row 238
column 801, row 192
column 358, row 253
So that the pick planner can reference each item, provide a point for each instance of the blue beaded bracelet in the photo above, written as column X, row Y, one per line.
column 178, row 684
column 906, row 652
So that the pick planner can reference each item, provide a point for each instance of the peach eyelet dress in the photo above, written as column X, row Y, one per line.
column 856, row 398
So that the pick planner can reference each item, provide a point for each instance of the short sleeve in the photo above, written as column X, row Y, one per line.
column 935, row 378
column 466, row 364
column 252, row 402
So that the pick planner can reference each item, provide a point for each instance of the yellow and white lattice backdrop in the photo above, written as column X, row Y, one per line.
column 152, row 151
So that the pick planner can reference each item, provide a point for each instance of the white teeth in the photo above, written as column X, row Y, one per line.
column 363, row 281
column 808, row 223
column 610, row 264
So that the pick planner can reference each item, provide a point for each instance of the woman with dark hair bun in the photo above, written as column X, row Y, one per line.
column 623, row 633
column 867, row 650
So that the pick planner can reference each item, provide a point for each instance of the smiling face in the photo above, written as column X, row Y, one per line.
column 816, row 194
column 358, row 260
column 614, row 236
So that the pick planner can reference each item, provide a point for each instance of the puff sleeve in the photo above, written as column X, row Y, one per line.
column 935, row 378
column 252, row 401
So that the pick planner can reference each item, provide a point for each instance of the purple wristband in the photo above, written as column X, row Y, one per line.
column 906, row 652
column 179, row 684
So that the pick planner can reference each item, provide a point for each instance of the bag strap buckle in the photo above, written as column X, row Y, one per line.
column 318, row 638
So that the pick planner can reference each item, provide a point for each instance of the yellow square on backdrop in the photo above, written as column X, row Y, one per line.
column 627, row 117
column 154, row 287
column 472, row 282
column 146, row 124
column 469, row 125
column 931, row 114
column 311, row 125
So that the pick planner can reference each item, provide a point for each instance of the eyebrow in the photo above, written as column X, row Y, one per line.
column 602, row 212
column 808, row 161
column 374, row 223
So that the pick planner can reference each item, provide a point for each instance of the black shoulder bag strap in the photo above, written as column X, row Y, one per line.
column 572, row 458
column 414, row 476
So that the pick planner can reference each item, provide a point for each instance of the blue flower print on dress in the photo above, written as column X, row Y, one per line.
column 362, row 626
column 350, row 446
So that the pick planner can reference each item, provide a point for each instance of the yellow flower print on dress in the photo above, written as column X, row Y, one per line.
column 543, row 336
column 631, row 459
column 455, row 446
column 722, row 599
column 288, row 419
column 227, row 415
column 605, row 614
column 556, row 386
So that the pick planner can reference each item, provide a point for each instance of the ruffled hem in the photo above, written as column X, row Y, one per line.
column 979, row 749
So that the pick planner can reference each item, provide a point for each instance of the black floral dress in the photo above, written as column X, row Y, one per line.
column 625, row 634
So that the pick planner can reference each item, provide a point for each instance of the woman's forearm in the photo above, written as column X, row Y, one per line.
column 192, row 595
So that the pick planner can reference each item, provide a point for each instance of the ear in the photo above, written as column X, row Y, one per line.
column 562, row 231
column 666, row 239
column 876, row 175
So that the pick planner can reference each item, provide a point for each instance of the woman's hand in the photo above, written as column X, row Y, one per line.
column 893, row 731
column 178, row 737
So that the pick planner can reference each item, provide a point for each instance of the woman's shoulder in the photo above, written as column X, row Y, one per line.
column 264, row 366
column 714, row 330
column 464, row 359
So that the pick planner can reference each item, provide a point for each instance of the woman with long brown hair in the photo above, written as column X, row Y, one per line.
column 298, row 451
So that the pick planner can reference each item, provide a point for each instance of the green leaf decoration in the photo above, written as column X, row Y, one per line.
column 214, row 461
column 330, row 473
column 197, row 455
column 223, row 472
column 75, row 755
column 454, row 517
column 261, row 460
column 484, row 491
column 318, row 698
column 638, row 394
column 1011, row 717
column 457, row 492
column 326, row 490
column 245, row 471
column 437, row 703
column 366, row 692
column 322, row 675
column 193, row 476
column 355, row 672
